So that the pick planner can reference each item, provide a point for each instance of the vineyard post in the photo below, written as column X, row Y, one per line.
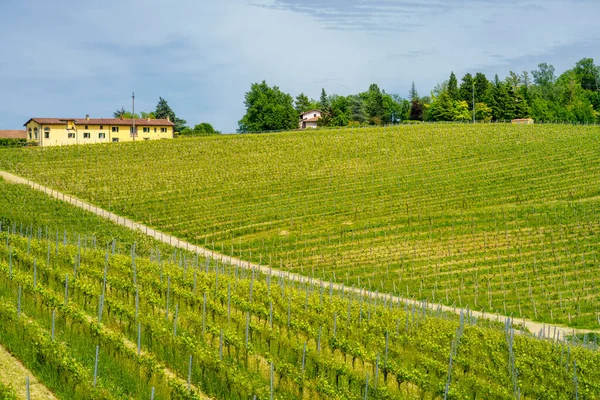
column 34, row 273
column 139, row 338
column 27, row 388
column 53, row 320
column 152, row 394
column 190, row 374
column 272, row 379
column 168, row 293
column 247, row 327
column 19, row 303
column 175, row 320
column 221, row 346
column 9, row 260
column 204, row 316
column 303, row 357
column 96, row 365
column 367, row 387
column 376, row 372
column 66, row 289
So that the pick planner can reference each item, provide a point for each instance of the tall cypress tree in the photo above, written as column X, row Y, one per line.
column 453, row 88
column 466, row 90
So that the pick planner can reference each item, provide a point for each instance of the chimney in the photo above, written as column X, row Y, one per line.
column 168, row 119
column 87, row 117
column 148, row 119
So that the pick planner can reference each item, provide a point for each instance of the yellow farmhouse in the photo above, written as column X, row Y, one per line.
column 66, row 131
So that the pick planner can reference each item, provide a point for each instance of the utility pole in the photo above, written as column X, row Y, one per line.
column 133, row 115
column 473, row 102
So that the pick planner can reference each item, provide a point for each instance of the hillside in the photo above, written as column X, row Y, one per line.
column 184, row 328
column 495, row 217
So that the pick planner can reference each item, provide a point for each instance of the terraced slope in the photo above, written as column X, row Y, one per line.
column 496, row 217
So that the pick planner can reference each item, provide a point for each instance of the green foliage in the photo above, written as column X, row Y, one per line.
column 477, row 177
column 4, row 142
column 453, row 91
column 7, row 392
column 374, row 105
column 466, row 90
column 164, row 111
column 267, row 108
column 204, row 129
column 302, row 104
column 416, row 110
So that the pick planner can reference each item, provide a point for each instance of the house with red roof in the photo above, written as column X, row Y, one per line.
column 68, row 131
column 309, row 119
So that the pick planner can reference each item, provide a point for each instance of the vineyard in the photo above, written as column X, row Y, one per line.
column 95, row 323
column 497, row 218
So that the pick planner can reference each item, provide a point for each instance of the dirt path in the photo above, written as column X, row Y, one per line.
column 14, row 373
column 547, row 330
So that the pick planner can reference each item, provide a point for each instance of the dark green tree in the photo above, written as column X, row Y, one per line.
column 302, row 104
column 203, row 129
column 481, row 86
column 466, row 90
column 453, row 88
column 442, row 109
column 163, row 111
column 324, row 100
column 374, row 105
column 267, row 108
column 357, row 109
column 416, row 110
column 587, row 74
column 413, row 94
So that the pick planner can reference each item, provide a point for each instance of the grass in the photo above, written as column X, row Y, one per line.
column 494, row 217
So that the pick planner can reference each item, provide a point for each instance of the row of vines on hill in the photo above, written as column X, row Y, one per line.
column 499, row 218
column 165, row 322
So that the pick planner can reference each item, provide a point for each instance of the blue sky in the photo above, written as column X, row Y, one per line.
column 68, row 58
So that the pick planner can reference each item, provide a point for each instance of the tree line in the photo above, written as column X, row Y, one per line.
column 573, row 96
column 162, row 111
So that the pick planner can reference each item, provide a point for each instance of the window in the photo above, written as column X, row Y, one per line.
column 315, row 115
column 146, row 138
column 46, row 135
column 115, row 140
column 71, row 135
column 29, row 133
column 35, row 132
column 155, row 129
column 146, row 129
column 101, row 127
column 86, row 135
column 86, row 127
column 115, row 129
column 163, row 130
column 102, row 135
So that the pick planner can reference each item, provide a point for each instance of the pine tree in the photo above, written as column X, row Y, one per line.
column 302, row 103
column 466, row 90
column 453, row 88
column 413, row 94
column 324, row 101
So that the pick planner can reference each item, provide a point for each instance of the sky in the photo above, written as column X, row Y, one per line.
column 69, row 58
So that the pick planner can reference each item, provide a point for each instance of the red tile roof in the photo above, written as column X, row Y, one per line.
column 13, row 134
column 102, row 121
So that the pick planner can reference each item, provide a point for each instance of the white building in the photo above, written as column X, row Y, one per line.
column 309, row 119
